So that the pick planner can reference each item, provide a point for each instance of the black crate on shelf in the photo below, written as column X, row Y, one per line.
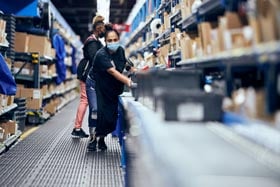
column 182, row 105
column 151, row 83
column 20, row 113
column 21, row 123
column 10, row 30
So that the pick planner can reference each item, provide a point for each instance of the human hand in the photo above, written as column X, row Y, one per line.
column 132, row 84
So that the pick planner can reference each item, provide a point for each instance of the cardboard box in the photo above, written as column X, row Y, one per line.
column 44, row 89
column 205, row 33
column 251, row 103
column 21, row 42
column 53, row 53
column 215, row 41
column 186, row 48
column 52, row 70
column 4, row 100
column 10, row 100
column 185, row 9
column 256, row 27
column 34, row 104
column 10, row 127
column 166, row 21
column 229, row 21
column 234, row 39
column 31, row 93
column 268, row 28
column 51, row 107
column 197, row 50
column 43, row 70
column 2, row 25
column 269, row 16
column 232, row 21
column 254, row 105
column 18, row 93
column 40, row 44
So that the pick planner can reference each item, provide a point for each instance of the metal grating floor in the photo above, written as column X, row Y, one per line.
column 50, row 157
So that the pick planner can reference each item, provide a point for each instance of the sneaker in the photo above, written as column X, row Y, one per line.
column 101, row 144
column 79, row 133
column 92, row 144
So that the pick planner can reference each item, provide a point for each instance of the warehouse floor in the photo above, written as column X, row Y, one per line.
column 51, row 157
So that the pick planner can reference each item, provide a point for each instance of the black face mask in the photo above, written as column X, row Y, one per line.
column 101, row 34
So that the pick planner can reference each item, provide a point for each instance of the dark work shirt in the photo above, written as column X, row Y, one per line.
column 104, row 61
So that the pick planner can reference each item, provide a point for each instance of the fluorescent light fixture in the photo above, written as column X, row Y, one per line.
column 103, row 8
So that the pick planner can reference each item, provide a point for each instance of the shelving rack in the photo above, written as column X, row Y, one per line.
column 257, row 66
column 262, row 57
column 8, row 51
column 24, row 17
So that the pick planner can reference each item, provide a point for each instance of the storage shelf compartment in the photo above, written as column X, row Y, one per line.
column 139, row 31
column 8, row 108
column 31, row 78
column 164, row 35
column 148, row 47
column 175, row 55
column 12, row 139
column 27, row 57
column 189, row 24
column 175, row 18
column 211, row 7
column 164, row 7
column 265, row 53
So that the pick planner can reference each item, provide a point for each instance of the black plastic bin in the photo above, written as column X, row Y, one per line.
column 152, row 82
column 194, row 106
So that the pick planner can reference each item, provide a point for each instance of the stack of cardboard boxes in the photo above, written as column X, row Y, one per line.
column 32, row 43
column 5, row 101
column 7, row 129
column 230, row 32
column 33, row 96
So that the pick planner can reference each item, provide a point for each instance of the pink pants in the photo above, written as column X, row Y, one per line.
column 82, row 106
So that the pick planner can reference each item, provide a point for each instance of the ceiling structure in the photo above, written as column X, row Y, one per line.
column 79, row 14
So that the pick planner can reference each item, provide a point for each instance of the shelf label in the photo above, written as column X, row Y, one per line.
column 190, row 111
column 36, row 94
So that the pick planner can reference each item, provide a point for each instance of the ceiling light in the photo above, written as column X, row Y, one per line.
column 103, row 8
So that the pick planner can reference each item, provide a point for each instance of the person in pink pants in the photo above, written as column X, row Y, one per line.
column 91, row 46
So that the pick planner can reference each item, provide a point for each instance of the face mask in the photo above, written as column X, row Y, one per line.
column 101, row 34
column 113, row 46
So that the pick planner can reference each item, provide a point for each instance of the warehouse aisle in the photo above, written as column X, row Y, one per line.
column 50, row 157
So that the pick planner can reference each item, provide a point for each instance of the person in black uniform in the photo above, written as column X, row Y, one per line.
column 108, row 66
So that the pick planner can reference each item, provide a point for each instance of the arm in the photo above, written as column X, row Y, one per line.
column 119, row 76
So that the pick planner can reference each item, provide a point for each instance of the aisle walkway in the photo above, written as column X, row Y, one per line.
column 50, row 157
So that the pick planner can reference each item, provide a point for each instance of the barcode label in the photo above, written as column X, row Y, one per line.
column 190, row 112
